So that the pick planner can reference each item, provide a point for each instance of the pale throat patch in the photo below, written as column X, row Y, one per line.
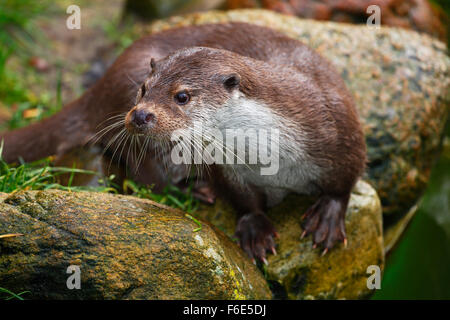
column 287, row 169
column 296, row 170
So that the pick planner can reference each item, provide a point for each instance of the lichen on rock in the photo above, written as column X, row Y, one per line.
column 127, row 248
column 298, row 271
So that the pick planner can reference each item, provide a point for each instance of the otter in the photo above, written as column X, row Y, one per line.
column 228, row 76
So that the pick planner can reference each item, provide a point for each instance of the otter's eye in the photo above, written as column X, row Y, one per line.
column 182, row 97
column 143, row 90
column 140, row 93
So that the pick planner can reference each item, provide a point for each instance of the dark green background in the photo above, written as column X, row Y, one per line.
column 419, row 267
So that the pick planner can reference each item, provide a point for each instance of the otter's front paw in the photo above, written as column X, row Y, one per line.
column 256, row 236
column 325, row 220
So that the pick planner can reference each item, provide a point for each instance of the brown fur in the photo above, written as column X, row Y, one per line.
column 270, row 67
column 323, row 108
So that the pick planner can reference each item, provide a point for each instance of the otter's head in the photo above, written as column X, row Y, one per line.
column 187, row 86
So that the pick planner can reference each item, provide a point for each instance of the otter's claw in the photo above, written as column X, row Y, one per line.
column 325, row 221
column 256, row 236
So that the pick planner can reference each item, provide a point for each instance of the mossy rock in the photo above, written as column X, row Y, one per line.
column 126, row 248
column 130, row 248
column 298, row 271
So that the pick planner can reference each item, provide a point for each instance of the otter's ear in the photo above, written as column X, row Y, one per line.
column 231, row 81
column 152, row 65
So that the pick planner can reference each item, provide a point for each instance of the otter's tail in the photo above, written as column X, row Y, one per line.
column 51, row 136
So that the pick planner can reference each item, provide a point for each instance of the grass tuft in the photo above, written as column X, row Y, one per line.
column 11, row 295
column 40, row 175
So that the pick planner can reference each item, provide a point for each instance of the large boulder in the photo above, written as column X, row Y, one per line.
column 125, row 247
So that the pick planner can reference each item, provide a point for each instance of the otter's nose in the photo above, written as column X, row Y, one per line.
column 141, row 116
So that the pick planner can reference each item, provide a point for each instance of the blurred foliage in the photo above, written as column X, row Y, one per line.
column 18, row 32
column 119, row 32
column 419, row 267
column 16, row 27
column 445, row 6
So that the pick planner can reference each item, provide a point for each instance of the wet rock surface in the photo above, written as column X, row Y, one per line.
column 298, row 271
column 126, row 248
